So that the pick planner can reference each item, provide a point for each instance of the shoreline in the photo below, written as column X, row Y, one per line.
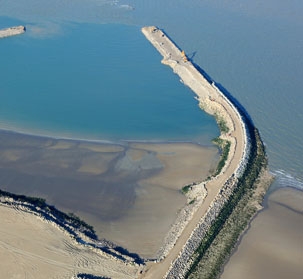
column 121, row 142
column 25, row 157
column 259, row 235
column 263, row 207
column 206, row 206
column 12, row 31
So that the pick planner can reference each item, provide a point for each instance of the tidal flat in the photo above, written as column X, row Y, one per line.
column 128, row 191
column 273, row 246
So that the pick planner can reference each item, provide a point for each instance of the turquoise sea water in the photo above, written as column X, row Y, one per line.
column 253, row 48
column 93, row 81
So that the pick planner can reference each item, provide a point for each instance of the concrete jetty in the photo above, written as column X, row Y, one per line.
column 12, row 31
column 176, row 256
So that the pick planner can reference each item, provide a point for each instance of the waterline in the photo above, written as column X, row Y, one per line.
column 93, row 88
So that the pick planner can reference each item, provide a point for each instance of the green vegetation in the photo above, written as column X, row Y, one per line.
column 21, row 198
column 218, row 141
column 234, row 217
column 222, row 124
column 186, row 189
column 192, row 201
column 45, row 209
column 223, row 144
column 225, row 147
column 78, row 222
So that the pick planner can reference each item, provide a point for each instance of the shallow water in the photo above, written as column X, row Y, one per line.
column 252, row 48
column 128, row 192
column 255, row 50
column 106, row 84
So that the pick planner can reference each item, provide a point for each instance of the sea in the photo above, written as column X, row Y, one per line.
column 96, row 82
column 84, row 70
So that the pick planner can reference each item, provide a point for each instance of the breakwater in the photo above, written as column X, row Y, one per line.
column 177, row 253
column 12, row 31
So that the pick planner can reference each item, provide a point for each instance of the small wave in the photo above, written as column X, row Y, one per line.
column 127, row 7
column 284, row 179
column 122, row 6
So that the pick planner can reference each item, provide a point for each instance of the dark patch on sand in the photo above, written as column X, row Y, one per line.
column 121, row 189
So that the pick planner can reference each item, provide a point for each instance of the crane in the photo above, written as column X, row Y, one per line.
column 184, row 56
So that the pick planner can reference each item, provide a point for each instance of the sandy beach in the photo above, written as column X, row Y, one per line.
column 32, row 248
column 273, row 246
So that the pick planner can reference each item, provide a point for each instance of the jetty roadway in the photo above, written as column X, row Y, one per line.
column 213, row 102
column 12, row 31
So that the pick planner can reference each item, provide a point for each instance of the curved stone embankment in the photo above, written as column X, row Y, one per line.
column 246, row 137
column 214, row 102
column 182, row 263
column 12, row 31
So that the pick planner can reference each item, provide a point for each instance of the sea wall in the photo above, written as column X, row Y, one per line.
column 180, row 266
column 12, row 31
column 246, row 136
column 195, row 199
column 182, row 263
column 214, row 102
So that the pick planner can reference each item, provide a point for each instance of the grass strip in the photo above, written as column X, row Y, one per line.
column 225, row 148
column 234, row 217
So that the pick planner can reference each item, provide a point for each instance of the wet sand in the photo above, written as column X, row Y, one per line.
column 158, row 197
column 273, row 246
column 129, row 192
